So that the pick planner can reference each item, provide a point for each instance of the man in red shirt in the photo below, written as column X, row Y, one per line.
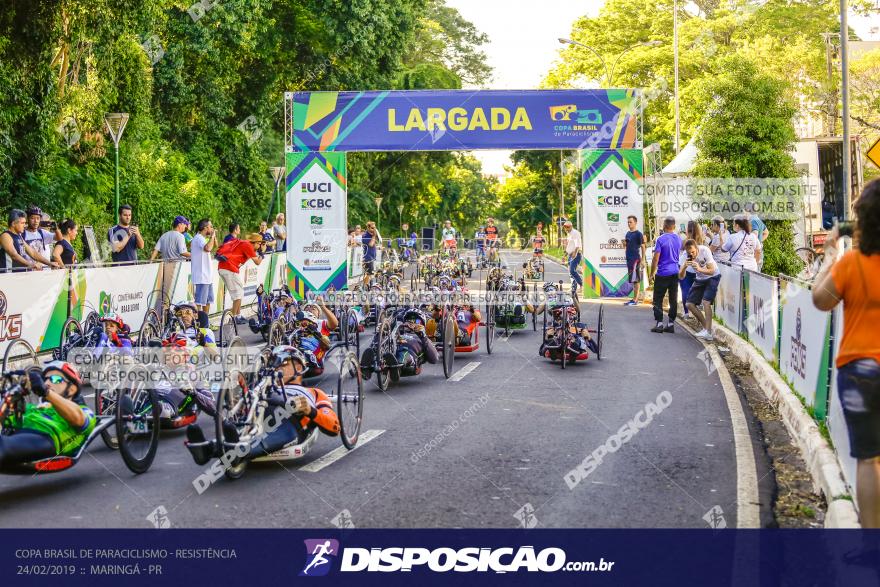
column 232, row 255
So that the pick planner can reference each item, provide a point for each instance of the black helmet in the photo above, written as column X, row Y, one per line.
column 415, row 315
column 34, row 211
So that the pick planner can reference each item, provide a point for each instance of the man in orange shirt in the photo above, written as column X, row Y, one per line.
column 232, row 255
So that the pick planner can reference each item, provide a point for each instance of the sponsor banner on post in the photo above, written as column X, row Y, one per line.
column 124, row 290
column 762, row 313
column 33, row 307
column 317, row 212
column 728, row 301
column 803, row 345
column 611, row 184
column 456, row 120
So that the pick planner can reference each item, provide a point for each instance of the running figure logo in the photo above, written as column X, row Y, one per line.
column 319, row 554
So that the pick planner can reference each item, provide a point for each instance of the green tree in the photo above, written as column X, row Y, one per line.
column 748, row 133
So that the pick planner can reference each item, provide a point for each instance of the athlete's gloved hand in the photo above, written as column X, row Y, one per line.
column 298, row 405
column 38, row 385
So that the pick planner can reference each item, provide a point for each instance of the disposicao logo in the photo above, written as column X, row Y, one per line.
column 320, row 553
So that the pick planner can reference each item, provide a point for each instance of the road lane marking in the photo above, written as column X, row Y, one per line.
column 748, row 514
column 462, row 373
column 337, row 453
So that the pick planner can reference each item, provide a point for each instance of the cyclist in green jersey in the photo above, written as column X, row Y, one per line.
column 59, row 425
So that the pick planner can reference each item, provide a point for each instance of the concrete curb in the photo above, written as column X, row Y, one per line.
column 820, row 458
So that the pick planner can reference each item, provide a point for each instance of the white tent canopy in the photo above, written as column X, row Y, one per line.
column 684, row 161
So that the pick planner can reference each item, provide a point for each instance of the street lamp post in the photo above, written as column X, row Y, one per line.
column 675, row 67
column 378, row 200
column 115, row 123
column 844, row 82
column 277, row 175
column 609, row 76
column 400, row 217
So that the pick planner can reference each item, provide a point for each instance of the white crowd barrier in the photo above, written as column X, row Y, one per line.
column 34, row 305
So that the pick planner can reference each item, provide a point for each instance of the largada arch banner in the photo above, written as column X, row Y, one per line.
column 442, row 120
column 612, row 182
column 317, row 240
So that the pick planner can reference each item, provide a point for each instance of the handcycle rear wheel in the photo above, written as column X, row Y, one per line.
column 227, row 330
column 231, row 407
column 149, row 331
column 600, row 328
column 490, row 325
column 277, row 332
column 448, row 342
column 137, row 414
column 383, row 375
column 349, row 401
column 19, row 355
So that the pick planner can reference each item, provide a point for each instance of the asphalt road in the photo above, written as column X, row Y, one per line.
column 494, row 444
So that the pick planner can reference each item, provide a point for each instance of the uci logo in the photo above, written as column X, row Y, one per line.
column 323, row 187
column 613, row 200
column 613, row 184
column 316, row 203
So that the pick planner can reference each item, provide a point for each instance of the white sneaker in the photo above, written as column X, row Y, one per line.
column 702, row 333
column 708, row 337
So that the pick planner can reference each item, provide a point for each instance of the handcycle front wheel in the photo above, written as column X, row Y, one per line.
column 600, row 328
column 137, row 414
column 19, row 355
column 349, row 401
column 231, row 407
column 227, row 330
column 448, row 343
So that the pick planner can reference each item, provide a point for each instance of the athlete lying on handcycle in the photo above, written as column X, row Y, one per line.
column 59, row 425
column 566, row 318
column 280, row 391
column 467, row 319
column 196, row 328
column 181, row 393
column 115, row 335
column 411, row 347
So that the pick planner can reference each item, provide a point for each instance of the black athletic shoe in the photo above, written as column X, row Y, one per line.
column 670, row 329
column 658, row 328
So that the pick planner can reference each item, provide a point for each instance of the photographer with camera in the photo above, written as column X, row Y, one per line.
column 36, row 236
column 202, row 268
column 854, row 279
column 125, row 238
column 232, row 255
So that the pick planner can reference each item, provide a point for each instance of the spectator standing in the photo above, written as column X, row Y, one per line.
column 695, row 233
column 664, row 275
column 17, row 254
column 234, row 232
column 743, row 245
column 37, row 237
column 720, row 235
column 279, row 231
column 762, row 232
column 268, row 237
column 202, row 267
column 172, row 244
column 854, row 279
column 232, row 256
column 369, row 240
column 573, row 248
column 62, row 252
column 125, row 238
column 702, row 293
column 635, row 257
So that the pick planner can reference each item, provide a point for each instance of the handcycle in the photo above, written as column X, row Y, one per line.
column 534, row 268
column 243, row 404
column 565, row 326
column 272, row 306
column 384, row 346
column 131, row 420
column 162, row 323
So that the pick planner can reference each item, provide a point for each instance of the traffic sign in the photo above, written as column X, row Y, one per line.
column 873, row 153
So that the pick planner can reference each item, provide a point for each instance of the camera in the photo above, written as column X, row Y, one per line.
column 50, row 224
column 846, row 228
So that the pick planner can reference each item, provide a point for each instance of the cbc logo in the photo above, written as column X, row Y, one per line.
column 613, row 200
column 316, row 203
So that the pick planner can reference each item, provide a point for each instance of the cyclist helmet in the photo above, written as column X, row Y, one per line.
column 175, row 339
column 66, row 368
column 311, row 308
column 286, row 352
column 184, row 306
column 415, row 315
column 307, row 319
column 114, row 318
column 34, row 211
column 550, row 286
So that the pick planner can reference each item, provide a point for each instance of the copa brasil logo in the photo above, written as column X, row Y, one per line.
column 564, row 113
column 320, row 553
